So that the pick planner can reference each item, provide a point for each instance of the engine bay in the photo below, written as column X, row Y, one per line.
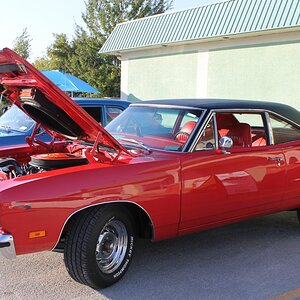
column 38, row 157
column 10, row 168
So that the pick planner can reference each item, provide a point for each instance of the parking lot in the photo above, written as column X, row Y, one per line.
column 256, row 259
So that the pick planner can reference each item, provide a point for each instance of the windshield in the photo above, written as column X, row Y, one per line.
column 15, row 119
column 155, row 127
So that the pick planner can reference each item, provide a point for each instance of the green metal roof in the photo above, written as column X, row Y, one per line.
column 210, row 21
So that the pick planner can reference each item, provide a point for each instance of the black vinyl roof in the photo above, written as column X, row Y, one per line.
column 215, row 104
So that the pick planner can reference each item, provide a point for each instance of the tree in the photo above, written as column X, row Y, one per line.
column 21, row 44
column 98, row 70
column 58, row 55
column 101, row 17
column 43, row 63
column 81, row 57
column 60, row 52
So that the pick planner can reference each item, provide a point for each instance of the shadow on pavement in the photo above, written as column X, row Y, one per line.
column 256, row 259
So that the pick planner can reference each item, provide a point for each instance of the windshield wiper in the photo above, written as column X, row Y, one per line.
column 7, row 128
column 135, row 143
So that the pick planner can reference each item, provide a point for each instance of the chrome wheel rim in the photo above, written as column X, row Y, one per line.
column 111, row 246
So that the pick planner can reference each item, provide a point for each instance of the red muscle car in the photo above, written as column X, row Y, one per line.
column 159, row 170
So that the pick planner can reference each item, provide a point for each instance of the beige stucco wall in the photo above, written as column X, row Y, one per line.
column 162, row 76
column 264, row 67
column 265, row 72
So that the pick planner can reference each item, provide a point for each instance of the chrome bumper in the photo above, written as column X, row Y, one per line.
column 7, row 246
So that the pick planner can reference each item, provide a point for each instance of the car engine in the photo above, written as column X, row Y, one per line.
column 10, row 168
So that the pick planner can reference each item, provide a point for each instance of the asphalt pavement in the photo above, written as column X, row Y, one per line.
column 256, row 259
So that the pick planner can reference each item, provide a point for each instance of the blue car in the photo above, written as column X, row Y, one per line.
column 15, row 125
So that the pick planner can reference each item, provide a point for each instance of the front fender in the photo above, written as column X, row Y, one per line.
column 34, row 208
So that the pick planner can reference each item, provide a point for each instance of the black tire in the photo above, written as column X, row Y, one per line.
column 99, row 246
column 298, row 214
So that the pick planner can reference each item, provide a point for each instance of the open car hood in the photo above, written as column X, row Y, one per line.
column 43, row 101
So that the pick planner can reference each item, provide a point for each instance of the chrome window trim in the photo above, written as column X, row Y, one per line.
column 201, row 124
column 262, row 112
column 240, row 110
column 255, row 110
column 186, row 148
column 269, row 128
column 200, row 132
column 216, row 132
column 166, row 106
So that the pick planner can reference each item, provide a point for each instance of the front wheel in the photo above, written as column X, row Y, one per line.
column 298, row 214
column 99, row 246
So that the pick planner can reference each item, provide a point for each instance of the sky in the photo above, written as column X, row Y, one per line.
column 42, row 18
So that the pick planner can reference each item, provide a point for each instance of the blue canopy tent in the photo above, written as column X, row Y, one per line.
column 69, row 83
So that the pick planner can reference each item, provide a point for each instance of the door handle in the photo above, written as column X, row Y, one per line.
column 275, row 158
column 278, row 159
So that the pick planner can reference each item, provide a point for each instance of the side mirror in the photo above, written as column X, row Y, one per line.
column 225, row 143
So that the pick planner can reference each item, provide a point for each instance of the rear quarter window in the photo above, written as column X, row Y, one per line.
column 112, row 113
column 283, row 132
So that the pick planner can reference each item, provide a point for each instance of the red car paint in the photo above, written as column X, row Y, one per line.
column 181, row 191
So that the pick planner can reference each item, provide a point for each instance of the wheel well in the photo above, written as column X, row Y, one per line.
column 142, row 223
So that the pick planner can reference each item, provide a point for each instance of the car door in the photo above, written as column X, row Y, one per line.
column 219, row 186
column 287, row 136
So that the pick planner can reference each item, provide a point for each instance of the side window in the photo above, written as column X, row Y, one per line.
column 165, row 118
column 189, row 117
column 207, row 140
column 186, row 127
column 245, row 129
column 95, row 112
column 112, row 112
column 283, row 132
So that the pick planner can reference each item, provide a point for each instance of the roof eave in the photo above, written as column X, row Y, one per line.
column 119, row 52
